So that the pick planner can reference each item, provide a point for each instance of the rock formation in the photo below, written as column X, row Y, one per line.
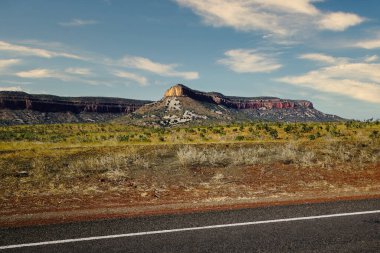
column 180, row 90
column 180, row 105
column 48, row 103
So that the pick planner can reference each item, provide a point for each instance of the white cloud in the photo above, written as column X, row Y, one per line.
column 339, row 21
column 371, row 58
column 368, row 44
column 17, row 82
column 56, row 74
column 5, row 63
column 41, row 73
column 79, row 71
column 12, row 88
column 30, row 51
column 323, row 58
column 78, row 22
column 359, row 90
column 143, row 81
column 249, row 61
column 353, row 79
column 239, row 14
column 282, row 18
column 294, row 6
column 157, row 68
column 355, row 71
column 83, row 74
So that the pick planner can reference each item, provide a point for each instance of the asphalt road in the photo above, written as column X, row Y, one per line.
column 349, row 226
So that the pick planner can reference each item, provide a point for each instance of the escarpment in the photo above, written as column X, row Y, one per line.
column 180, row 105
column 180, row 90
column 49, row 103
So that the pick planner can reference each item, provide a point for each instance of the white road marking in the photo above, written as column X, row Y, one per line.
column 185, row 229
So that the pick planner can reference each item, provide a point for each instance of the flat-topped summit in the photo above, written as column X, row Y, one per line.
column 15, row 100
column 180, row 90
column 180, row 104
column 23, row 108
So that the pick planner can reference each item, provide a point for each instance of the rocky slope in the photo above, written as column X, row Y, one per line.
column 180, row 90
column 48, row 103
column 24, row 108
column 181, row 104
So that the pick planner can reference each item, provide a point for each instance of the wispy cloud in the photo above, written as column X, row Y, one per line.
column 6, row 63
column 161, row 69
column 82, row 74
column 249, row 61
column 339, row 21
column 371, row 58
column 368, row 44
column 66, row 76
column 359, row 80
column 323, row 58
column 11, row 88
column 282, row 18
column 79, row 71
column 78, row 22
column 241, row 15
column 143, row 81
column 41, row 73
column 31, row 51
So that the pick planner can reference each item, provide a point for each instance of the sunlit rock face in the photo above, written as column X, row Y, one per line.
column 180, row 90
column 177, row 90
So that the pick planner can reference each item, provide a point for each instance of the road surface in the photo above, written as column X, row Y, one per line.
column 348, row 226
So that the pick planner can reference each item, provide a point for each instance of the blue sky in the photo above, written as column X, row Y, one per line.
column 326, row 51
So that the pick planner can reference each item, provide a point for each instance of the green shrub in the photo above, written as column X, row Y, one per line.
column 239, row 138
column 123, row 138
column 374, row 134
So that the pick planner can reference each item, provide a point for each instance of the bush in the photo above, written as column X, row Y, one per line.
column 374, row 135
column 123, row 138
column 288, row 128
column 273, row 133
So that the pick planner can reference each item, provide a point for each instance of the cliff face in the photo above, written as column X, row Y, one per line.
column 180, row 90
column 180, row 105
column 48, row 103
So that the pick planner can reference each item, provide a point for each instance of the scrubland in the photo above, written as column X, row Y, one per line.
column 74, row 166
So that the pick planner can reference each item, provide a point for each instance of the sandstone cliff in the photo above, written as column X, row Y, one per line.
column 180, row 105
column 48, row 103
column 180, row 90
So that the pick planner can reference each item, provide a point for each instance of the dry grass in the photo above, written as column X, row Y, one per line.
column 141, row 170
column 300, row 154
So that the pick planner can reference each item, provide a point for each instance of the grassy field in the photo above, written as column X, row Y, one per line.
column 83, row 165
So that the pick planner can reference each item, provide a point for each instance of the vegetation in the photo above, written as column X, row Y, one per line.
column 79, row 160
column 108, row 134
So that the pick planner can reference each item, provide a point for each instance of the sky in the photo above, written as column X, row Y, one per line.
column 325, row 51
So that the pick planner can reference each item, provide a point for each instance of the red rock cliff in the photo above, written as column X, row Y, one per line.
column 48, row 103
column 180, row 90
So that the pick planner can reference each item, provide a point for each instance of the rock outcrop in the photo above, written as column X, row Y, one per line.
column 180, row 105
column 48, row 103
column 180, row 90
